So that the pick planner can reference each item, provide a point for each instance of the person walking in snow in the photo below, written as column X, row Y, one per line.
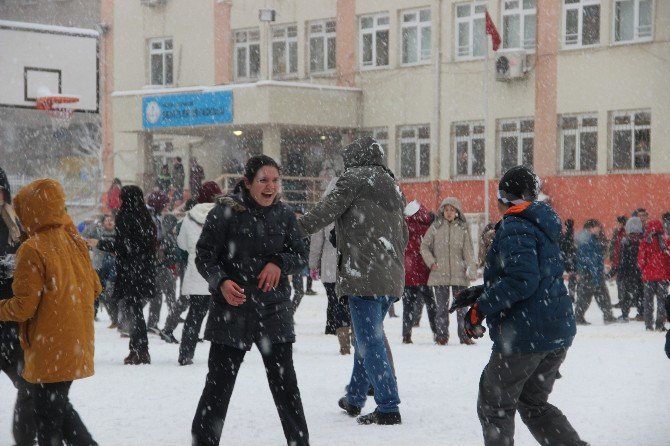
column 194, row 287
column 632, row 291
column 447, row 250
column 568, row 251
column 653, row 258
column 371, row 235
column 249, row 245
column 417, row 292
column 135, row 249
column 529, row 315
column 590, row 269
column 105, row 265
column 53, row 292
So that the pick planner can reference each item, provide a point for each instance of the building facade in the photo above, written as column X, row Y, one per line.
column 577, row 90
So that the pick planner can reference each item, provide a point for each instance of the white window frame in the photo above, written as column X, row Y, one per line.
column 291, row 42
column 577, row 132
column 163, row 52
column 247, row 44
column 524, row 16
column 579, row 6
column 636, row 24
column 420, row 26
column 519, row 134
column 469, row 138
column 376, row 27
column 632, row 127
column 418, row 142
column 326, row 36
column 470, row 19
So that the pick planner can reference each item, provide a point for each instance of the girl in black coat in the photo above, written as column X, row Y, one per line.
column 135, row 250
column 249, row 244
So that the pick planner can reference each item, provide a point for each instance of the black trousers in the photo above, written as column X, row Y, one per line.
column 587, row 290
column 24, row 427
column 138, row 326
column 337, row 313
column 57, row 421
column 523, row 382
column 298, row 290
column 199, row 306
column 412, row 296
column 224, row 364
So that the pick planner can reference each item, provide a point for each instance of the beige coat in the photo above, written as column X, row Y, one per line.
column 448, row 244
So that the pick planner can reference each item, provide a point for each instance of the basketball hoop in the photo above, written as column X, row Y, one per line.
column 59, row 108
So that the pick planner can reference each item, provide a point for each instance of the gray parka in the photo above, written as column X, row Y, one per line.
column 366, row 205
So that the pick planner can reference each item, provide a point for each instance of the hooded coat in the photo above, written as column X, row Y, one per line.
column 416, row 271
column 367, row 208
column 189, row 234
column 590, row 257
column 54, row 288
column 448, row 244
column 238, row 239
column 653, row 256
column 525, row 301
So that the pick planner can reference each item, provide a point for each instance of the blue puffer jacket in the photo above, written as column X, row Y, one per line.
column 525, row 301
column 590, row 260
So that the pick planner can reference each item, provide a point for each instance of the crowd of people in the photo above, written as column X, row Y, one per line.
column 241, row 257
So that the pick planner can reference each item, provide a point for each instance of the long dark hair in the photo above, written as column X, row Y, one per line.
column 133, row 207
column 252, row 167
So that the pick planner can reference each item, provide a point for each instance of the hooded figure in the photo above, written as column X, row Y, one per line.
column 629, row 272
column 653, row 257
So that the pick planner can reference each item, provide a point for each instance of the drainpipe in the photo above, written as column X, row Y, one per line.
column 437, row 137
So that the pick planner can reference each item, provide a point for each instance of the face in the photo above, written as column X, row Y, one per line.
column 644, row 217
column 595, row 230
column 449, row 213
column 265, row 186
column 108, row 223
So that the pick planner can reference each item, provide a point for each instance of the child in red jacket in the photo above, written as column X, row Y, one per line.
column 653, row 258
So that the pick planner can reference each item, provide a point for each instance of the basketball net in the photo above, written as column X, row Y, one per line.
column 59, row 108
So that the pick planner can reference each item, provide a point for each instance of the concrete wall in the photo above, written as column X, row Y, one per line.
column 75, row 13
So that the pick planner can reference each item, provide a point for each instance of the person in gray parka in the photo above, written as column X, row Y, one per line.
column 367, row 207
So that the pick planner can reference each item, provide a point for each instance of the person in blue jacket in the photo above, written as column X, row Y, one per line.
column 529, row 315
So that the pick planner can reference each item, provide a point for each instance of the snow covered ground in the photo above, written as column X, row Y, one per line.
column 614, row 390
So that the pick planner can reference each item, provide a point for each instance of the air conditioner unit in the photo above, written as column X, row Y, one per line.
column 511, row 65
column 153, row 3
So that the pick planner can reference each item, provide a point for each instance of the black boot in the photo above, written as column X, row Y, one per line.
column 382, row 418
column 349, row 408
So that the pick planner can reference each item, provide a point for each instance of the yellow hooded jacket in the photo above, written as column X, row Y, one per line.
column 54, row 288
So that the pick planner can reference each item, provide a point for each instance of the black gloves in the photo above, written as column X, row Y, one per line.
column 472, row 323
column 466, row 297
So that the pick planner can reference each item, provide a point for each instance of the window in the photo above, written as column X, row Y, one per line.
column 633, row 20
column 284, row 50
column 518, row 19
column 415, row 36
column 581, row 22
column 160, row 54
column 515, row 143
column 415, row 151
column 374, row 41
column 381, row 134
column 631, row 140
column 247, row 54
column 322, row 46
column 469, row 150
column 579, row 142
column 470, row 32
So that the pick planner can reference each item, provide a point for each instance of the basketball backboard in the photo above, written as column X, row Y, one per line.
column 38, row 60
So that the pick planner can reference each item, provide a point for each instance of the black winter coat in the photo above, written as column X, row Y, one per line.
column 238, row 239
column 628, row 268
column 10, row 350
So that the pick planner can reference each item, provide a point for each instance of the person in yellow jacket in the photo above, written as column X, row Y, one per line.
column 54, row 289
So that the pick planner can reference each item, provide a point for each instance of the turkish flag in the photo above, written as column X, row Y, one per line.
column 493, row 32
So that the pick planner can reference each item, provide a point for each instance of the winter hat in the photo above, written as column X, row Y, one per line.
column 621, row 219
column 412, row 208
column 364, row 151
column 517, row 185
column 157, row 200
column 634, row 226
column 208, row 192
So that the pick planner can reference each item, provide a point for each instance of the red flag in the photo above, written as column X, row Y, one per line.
column 493, row 32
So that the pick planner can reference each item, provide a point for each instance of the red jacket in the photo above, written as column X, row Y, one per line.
column 114, row 198
column 416, row 271
column 653, row 257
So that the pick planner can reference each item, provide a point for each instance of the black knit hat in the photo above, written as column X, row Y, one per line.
column 518, row 184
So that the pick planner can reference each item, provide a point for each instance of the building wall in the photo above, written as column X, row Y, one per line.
column 73, row 13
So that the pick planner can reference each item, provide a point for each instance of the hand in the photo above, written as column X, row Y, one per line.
column 92, row 243
column 466, row 297
column 233, row 293
column 434, row 266
column 472, row 323
column 268, row 279
column 314, row 273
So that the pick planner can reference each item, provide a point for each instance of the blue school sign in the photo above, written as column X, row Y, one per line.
column 179, row 110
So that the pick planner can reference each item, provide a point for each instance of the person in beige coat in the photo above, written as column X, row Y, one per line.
column 447, row 250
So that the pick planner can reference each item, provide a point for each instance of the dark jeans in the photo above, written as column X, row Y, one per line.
column 137, row 326
column 411, row 298
column 337, row 313
column 57, row 421
column 632, row 295
column 298, row 290
column 441, row 294
column 175, row 309
column 165, row 284
column 224, row 364
column 654, row 290
column 24, row 427
column 586, row 291
column 523, row 382
column 199, row 306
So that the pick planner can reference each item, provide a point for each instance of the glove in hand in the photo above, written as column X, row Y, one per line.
column 472, row 323
column 466, row 297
